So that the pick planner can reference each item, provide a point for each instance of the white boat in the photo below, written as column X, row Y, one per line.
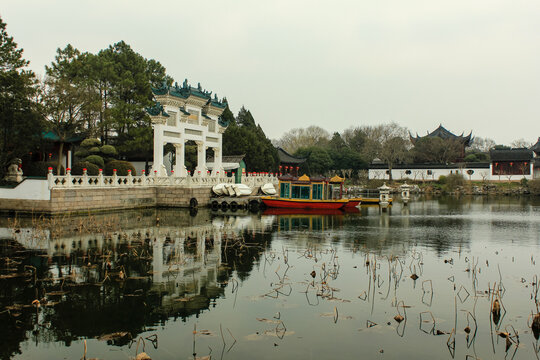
column 242, row 189
column 218, row 189
column 268, row 189
column 229, row 190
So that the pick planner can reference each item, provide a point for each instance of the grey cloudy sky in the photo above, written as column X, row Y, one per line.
column 468, row 64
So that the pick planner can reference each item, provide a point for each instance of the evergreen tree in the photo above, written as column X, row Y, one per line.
column 243, row 136
column 20, row 120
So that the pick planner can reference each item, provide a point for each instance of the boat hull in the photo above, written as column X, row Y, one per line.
column 303, row 204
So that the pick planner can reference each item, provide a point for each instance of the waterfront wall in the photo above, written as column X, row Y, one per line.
column 70, row 193
column 95, row 199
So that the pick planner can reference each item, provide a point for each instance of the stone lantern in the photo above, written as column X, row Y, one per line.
column 405, row 193
column 384, row 196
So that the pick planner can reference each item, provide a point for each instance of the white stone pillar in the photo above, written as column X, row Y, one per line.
column 218, row 164
column 157, row 166
column 180, row 166
column 69, row 159
column 201, row 169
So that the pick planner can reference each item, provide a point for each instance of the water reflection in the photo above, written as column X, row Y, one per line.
column 272, row 279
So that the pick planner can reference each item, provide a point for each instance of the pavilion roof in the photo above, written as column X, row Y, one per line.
column 51, row 136
column 228, row 158
column 286, row 158
column 536, row 147
column 443, row 133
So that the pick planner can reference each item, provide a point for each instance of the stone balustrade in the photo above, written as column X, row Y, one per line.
column 101, row 181
column 258, row 179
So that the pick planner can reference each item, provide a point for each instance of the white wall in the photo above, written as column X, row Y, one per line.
column 479, row 174
column 28, row 189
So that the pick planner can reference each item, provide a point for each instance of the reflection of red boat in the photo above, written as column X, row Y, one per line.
column 306, row 193
column 303, row 204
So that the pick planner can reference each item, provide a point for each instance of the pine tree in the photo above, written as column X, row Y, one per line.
column 20, row 120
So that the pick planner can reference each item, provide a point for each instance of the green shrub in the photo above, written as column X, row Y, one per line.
column 82, row 153
column 94, row 150
column 442, row 179
column 121, row 167
column 453, row 181
column 534, row 186
column 524, row 182
column 41, row 168
column 88, row 143
column 471, row 158
column 108, row 150
column 97, row 160
column 91, row 169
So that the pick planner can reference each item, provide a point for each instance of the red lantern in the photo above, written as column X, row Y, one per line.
column 279, row 167
column 511, row 164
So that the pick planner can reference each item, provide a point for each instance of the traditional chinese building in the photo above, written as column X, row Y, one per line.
column 444, row 134
column 289, row 164
column 183, row 113
column 511, row 162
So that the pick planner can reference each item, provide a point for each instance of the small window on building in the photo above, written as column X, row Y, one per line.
column 300, row 192
column 317, row 192
column 284, row 191
column 408, row 172
column 429, row 172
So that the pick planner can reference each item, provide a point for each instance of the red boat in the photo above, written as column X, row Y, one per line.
column 306, row 193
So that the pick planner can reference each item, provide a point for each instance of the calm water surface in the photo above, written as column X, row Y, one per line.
column 274, row 285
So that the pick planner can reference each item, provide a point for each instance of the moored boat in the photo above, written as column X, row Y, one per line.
column 308, row 193
column 354, row 202
column 241, row 189
column 268, row 189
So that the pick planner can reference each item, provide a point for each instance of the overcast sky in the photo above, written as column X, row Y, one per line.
column 472, row 65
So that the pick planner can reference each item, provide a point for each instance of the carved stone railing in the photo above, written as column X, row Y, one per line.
column 258, row 179
column 86, row 181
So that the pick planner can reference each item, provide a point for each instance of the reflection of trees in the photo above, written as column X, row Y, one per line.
column 241, row 252
column 94, row 283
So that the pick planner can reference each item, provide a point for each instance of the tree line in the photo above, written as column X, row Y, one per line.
column 351, row 151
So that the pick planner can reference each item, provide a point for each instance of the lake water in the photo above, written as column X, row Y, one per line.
column 273, row 285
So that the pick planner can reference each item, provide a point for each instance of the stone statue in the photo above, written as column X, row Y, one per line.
column 14, row 173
